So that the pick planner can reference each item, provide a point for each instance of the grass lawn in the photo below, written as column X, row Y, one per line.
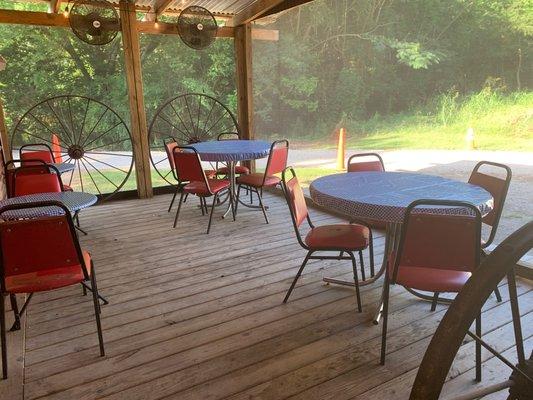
column 500, row 122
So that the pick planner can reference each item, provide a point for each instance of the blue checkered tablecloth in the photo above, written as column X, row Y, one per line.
column 384, row 196
column 74, row 201
column 232, row 150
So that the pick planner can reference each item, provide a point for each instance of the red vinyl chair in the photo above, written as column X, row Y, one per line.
column 498, row 188
column 436, row 253
column 276, row 163
column 189, row 169
column 361, row 163
column 35, row 179
column 39, row 151
column 170, row 145
column 340, row 238
column 239, row 169
column 365, row 162
column 41, row 254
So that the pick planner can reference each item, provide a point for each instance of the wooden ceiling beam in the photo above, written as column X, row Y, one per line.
column 284, row 6
column 253, row 11
column 159, row 6
column 32, row 18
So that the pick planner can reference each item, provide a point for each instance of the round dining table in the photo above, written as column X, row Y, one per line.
column 230, row 152
column 384, row 196
column 74, row 201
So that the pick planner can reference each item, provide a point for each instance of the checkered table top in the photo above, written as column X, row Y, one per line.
column 232, row 150
column 74, row 201
column 384, row 196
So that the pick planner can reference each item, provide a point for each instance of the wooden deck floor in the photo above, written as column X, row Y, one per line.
column 196, row 316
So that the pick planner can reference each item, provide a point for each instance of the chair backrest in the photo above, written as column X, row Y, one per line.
column 35, row 166
column 277, row 159
column 188, row 165
column 497, row 187
column 36, row 151
column 34, row 179
column 442, row 241
column 363, row 162
column 38, row 244
column 170, row 145
column 295, row 198
column 229, row 136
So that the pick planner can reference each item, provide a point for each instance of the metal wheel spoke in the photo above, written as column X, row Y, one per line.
column 65, row 130
column 190, row 115
column 100, row 136
column 216, row 122
column 181, row 120
column 160, row 161
column 40, row 138
column 91, row 177
column 97, row 170
column 109, row 165
column 107, row 144
column 83, row 122
column 94, row 127
column 108, row 153
column 79, row 174
column 172, row 125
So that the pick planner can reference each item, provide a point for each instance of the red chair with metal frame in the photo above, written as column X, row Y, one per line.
column 355, row 165
column 41, row 254
column 170, row 145
column 35, row 179
column 10, row 167
column 276, row 163
column 189, row 168
column 436, row 253
column 498, row 188
column 343, row 238
column 239, row 169
column 40, row 151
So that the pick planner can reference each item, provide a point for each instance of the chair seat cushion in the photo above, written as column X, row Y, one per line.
column 431, row 279
column 49, row 279
column 340, row 236
column 239, row 169
column 256, row 180
column 199, row 188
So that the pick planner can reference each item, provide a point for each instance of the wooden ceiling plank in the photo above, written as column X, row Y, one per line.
column 32, row 18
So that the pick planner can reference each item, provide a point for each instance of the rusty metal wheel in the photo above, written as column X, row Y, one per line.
column 90, row 135
column 462, row 313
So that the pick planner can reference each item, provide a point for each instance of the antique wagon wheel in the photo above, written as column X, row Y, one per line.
column 91, row 136
column 189, row 118
column 462, row 313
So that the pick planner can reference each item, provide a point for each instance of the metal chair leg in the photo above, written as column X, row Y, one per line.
column 173, row 198
column 385, row 314
column 435, row 301
column 16, row 313
column 186, row 197
column 97, row 310
column 179, row 208
column 3, row 336
column 237, row 198
column 356, row 282
column 478, row 349
column 362, row 266
column 498, row 295
column 371, row 254
column 262, row 206
column 293, row 284
column 211, row 214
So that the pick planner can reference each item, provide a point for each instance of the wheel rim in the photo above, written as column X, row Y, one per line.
column 92, row 137
column 189, row 118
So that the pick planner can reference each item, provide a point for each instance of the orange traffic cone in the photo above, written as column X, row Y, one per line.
column 56, row 148
column 341, row 148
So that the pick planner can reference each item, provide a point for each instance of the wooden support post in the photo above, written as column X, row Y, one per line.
column 132, row 61
column 243, row 67
column 4, row 136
